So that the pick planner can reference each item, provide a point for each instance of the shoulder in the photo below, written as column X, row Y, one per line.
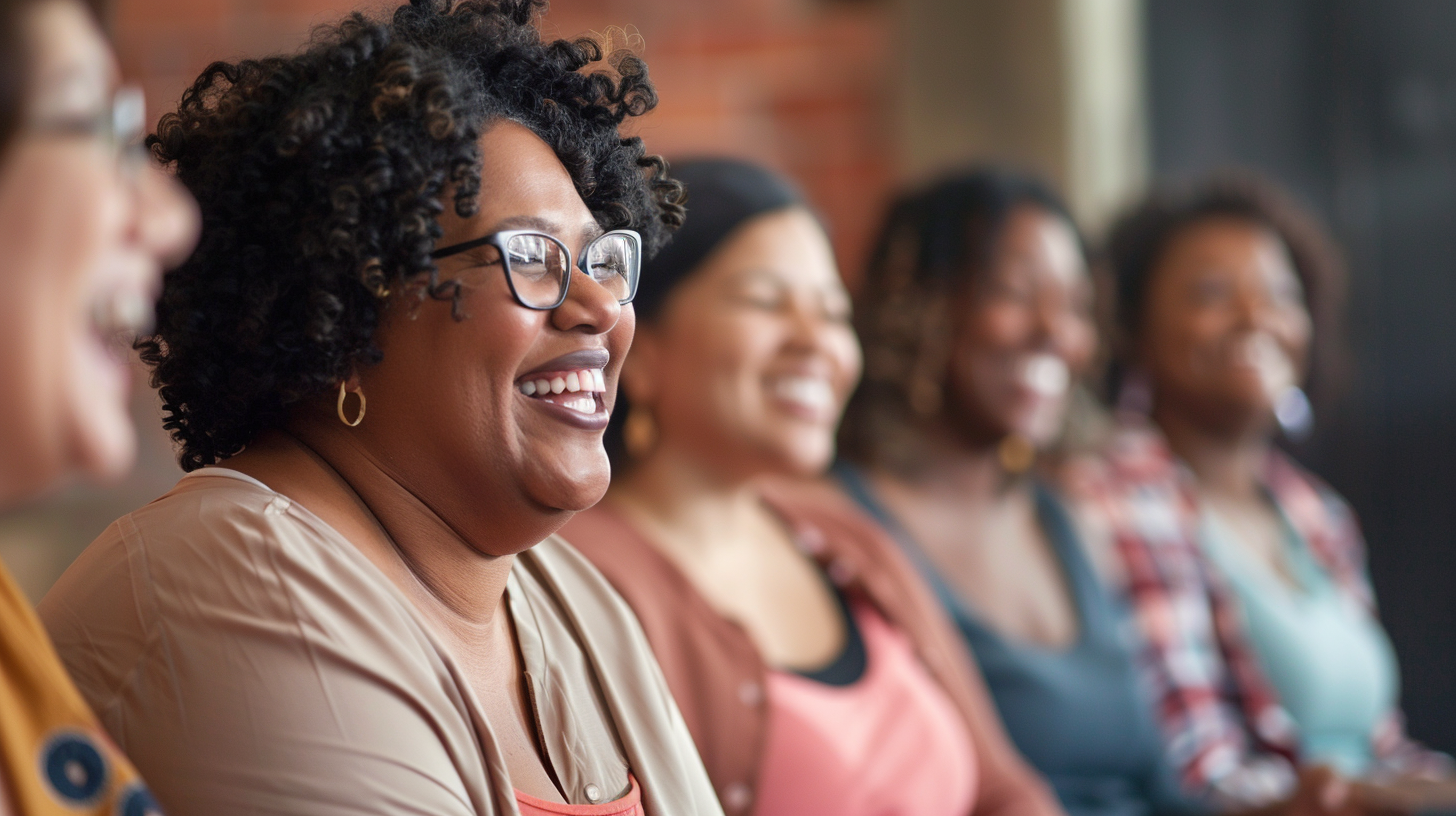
column 218, row 553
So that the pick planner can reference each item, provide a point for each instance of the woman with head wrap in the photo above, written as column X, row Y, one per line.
column 814, row 670
column 389, row 365
column 86, row 225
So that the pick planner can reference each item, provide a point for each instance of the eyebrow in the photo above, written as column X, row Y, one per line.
column 589, row 230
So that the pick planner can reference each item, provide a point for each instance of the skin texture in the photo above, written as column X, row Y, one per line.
column 454, row 471
column 78, row 229
column 765, row 308
column 1226, row 329
column 977, row 522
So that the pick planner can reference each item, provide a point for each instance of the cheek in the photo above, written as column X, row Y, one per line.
column 63, row 228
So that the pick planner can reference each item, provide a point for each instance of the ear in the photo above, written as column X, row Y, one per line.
column 640, row 381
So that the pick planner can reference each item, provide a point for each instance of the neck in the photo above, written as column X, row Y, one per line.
column 964, row 466
column 684, row 504
column 1226, row 462
column 452, row 576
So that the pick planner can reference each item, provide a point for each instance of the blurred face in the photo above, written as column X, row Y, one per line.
column 447, row 408
column 1023, row 332
column 1226, row 329
column 86, row 234
column 750, row 364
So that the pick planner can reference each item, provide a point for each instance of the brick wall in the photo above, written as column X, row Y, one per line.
column 797, row 84
column 800, row 85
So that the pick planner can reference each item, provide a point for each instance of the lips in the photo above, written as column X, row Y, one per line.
column 573, row 381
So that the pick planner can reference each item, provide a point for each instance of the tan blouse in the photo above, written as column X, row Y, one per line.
column 251, row 660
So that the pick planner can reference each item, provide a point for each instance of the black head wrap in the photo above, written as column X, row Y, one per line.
column 721, row 195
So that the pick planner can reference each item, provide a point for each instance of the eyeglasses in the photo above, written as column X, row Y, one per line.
column 538, row 267
column 121, row 125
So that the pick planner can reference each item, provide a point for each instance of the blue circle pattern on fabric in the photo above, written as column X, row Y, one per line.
column 136, row 800
column 74, row 767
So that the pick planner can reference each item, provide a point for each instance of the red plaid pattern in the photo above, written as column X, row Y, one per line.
column 1228, row 736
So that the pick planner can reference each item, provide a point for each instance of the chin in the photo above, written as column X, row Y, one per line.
column 804, row 458
column 573, row 489
column 107, row 449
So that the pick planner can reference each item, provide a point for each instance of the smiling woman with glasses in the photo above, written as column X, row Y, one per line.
column 388, row 368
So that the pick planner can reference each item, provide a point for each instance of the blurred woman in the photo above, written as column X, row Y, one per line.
column 1227, row 300
column 86, row 225
column 976, row 317
column 388, row 367
column 812, row 666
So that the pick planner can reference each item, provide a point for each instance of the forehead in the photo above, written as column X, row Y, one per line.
column 1034, row 233
column 788, row 246
column 1227, row 242
column 522, row 176
column 68, row 48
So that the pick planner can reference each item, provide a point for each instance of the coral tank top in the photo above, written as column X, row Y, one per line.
column 889, row 744
column 629, row 805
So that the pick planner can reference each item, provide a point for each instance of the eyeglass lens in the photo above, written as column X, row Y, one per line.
column 540, row 266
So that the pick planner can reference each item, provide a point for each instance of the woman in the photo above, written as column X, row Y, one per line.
column 1226, row 302
column 86, row 224
column 977, row 319
column 347, row 605
column 812, row 667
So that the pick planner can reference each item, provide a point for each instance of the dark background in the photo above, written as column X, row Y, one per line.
column 1352, row 104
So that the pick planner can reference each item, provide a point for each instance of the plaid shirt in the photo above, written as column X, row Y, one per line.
column 1228, row 736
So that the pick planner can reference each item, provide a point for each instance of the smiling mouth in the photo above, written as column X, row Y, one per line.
column 580, row 390
column 811, row 396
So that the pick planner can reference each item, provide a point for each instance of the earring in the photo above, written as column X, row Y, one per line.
column 343, row 392
column 1294, row 413
column 639, row 433
column 1016, row 454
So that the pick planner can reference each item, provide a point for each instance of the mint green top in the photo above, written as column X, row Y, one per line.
column 1327, row 657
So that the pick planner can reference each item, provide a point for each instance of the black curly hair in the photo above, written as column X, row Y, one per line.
column 1137, row 242
column 936, row 241
column 320, row 177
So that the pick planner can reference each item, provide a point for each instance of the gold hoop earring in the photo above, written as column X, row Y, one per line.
column 639, row 433
column 344, row 392
column 1016, row 453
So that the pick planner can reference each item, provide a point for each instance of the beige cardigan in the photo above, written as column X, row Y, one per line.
column 251, row 660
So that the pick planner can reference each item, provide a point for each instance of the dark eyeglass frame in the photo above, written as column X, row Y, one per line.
column 121, row 124
column 500, row 239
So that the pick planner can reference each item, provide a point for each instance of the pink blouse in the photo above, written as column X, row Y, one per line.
column 890, row 744
column 629, row 805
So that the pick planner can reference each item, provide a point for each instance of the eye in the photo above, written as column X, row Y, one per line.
column 1210, row 290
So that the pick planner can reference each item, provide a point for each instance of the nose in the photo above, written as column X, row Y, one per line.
column 167, row 218
column 588, row 307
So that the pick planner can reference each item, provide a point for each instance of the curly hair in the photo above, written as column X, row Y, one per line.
column 1137, row 242
column 320, row 177
column 935, row 242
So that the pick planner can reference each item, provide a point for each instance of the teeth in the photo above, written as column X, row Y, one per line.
column 585, row 405
column 586, row 380
column 809, row 391
column 1046, row 374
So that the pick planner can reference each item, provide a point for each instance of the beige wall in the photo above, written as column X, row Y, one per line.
column 1052, row 86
